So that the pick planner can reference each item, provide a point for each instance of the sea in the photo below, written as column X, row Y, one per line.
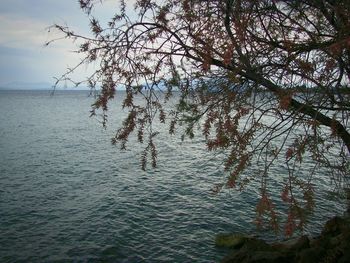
column 68, row 195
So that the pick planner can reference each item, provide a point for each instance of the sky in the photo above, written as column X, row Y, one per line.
column 24, row 30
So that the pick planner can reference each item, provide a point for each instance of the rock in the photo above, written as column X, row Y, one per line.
column 333, row 245
column 302, row 243
column 310, row 255
column 347, row 196
column 296, row 244
column 336, row 225
column 255, row 244
column 270, row 257
column 230, row 240
column 257, row 257
column 345, row 257
column 336, row 241
column 257, row 251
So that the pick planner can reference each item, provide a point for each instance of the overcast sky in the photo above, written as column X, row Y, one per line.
column 24, row 31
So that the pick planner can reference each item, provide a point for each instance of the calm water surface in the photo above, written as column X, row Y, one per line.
column 67, row 195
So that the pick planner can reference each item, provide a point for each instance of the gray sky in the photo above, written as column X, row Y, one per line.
column 24, row 31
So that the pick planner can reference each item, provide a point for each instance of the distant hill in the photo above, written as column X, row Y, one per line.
column 21, row 85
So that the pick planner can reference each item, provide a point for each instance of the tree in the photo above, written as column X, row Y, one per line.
column 266, row 81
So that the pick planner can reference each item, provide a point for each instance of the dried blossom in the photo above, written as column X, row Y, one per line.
column 261, row 87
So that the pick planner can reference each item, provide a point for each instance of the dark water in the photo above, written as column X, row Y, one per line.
column 67, row 195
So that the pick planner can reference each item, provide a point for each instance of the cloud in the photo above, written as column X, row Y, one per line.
column 22, row 51
column 22, row 32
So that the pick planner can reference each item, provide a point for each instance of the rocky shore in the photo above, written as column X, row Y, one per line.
column 332, row 245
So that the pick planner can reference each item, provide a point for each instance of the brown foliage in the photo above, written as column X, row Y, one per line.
column 266, row 81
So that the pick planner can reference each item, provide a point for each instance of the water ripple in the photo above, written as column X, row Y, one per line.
column 67, row 195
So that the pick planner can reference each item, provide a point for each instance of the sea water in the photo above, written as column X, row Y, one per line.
column 68, row 195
